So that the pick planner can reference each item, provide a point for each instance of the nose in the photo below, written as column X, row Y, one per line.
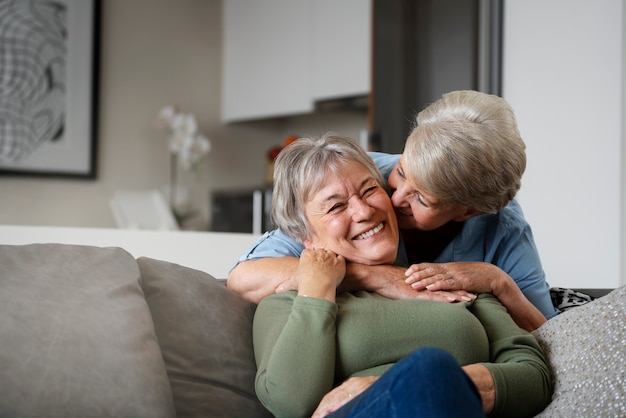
column 399, row 198
column 361, row 210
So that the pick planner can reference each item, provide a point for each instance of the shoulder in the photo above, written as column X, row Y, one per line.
column 513, row 212
column 273, row 244
column 500, row 234
column 510, row 218
column 384, row 162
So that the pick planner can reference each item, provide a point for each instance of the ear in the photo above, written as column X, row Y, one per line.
column 308, row 244
column 466, row 215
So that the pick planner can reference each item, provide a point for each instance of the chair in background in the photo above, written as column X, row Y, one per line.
column 142, row 209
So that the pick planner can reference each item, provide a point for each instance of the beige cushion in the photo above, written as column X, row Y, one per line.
column 586, row 350
column 77, row 338
column 205, row 332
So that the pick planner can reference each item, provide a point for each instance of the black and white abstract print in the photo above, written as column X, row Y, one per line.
column 33, row 55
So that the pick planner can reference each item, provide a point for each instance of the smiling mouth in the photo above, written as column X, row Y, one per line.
column 404, row 213
column 369, row 233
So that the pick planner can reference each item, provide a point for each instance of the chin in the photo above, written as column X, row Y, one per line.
column 379, row 258
column 374, row 262
column 407, row 224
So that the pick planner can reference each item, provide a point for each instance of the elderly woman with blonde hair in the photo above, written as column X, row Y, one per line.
column 453, row 192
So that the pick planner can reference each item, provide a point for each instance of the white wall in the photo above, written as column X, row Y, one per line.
column 564, row 77
column 563, row 74
column 153, row 53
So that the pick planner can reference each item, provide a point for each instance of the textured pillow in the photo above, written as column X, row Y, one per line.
column 205, row 333
column 77, row 338
column 586, row 350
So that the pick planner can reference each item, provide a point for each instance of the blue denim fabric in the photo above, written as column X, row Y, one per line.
column 428, row 383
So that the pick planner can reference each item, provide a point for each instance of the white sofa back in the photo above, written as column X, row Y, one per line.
column 212, row 252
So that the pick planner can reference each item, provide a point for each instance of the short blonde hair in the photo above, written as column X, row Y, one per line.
column 466, row 151
column 300, row 170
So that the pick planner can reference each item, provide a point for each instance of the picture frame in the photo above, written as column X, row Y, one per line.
column 49, row 67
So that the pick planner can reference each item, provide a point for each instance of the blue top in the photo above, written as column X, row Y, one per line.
column 504, row 239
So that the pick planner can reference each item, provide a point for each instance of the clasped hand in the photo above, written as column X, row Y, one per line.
column 479, row 277
column 448, row 282
column 319, row 273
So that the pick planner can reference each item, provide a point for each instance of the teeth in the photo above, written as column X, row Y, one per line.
column 370, row 232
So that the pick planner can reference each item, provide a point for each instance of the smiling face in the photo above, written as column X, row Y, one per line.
column 352, row 215
column 416, row 209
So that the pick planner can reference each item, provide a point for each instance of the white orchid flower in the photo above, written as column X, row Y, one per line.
column 202, row 145
column 180, row 141
column 193, row 152
column 184, row 141
column 165, row 116
column 185, row 124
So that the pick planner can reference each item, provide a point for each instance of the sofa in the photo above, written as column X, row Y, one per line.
column 95, row 331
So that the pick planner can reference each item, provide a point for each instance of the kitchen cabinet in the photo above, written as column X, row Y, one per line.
column 280, row 57
column 341, row 48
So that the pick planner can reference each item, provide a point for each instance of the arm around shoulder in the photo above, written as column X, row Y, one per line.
column 523, row 312
column 255, row 279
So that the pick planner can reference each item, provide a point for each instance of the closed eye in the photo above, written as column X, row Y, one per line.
column 336, row 207
column 420, row 199
column 370, row 190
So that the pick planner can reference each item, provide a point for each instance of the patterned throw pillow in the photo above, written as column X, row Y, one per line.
column 564, row 299
column 586, row 350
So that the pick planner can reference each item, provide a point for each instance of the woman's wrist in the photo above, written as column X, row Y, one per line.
column 318, row 290
column 501, row 283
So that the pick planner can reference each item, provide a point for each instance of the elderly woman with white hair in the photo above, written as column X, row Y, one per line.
column 453, row 191
column 322, row 352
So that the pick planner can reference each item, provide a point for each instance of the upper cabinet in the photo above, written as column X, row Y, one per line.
column 342, row 45
column 281, row 56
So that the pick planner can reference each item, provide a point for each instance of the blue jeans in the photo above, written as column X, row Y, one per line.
column 427, row 383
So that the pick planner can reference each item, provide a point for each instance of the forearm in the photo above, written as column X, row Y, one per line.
column 483, row 380
column 255, row 279
column 523, row 397
column 524, row 313
column 517, row 365
column 295, row 353
column 521, row 389
column 388, row 281
column 479, row 277
column 370, row 278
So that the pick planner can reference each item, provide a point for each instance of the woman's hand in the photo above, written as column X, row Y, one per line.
column 387, row 281
column 319, row 273
column 343, row 394
column 479, row 277
column 483, row 380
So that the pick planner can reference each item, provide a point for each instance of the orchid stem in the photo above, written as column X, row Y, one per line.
column 173, row 181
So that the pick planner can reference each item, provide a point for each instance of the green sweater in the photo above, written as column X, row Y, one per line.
column 306, row 346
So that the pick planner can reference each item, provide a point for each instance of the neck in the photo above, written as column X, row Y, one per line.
column 425, row 246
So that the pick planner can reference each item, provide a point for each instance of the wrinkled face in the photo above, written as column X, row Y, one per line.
column 416, row 209
column 352, row 215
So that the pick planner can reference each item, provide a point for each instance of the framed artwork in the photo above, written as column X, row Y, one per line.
column 48, row 87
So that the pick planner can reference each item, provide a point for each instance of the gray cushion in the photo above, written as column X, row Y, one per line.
column 586, row 350
column 205, row 333
column 77, row 338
